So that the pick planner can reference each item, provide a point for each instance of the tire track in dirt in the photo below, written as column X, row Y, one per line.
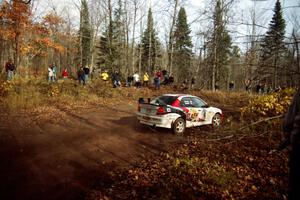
column 64, row 160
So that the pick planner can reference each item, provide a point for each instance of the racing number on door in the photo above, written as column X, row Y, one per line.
column 193, row 114
column 187, row 105
column 198, row 104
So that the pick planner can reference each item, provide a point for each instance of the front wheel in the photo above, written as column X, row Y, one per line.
column 179, row 126
column 216, row 120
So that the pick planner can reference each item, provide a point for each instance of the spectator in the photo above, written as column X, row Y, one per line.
column 278, row 89
column 291, row 128
column 193, row 82
column 65, row 73
column 171, row 79
column 105, row 76
column 10, row 68
column 166, row 79
column 54, row 70
column 156, row 83
column 248, row 85
column 231, row 86
column 270, row 89
column 116, row 79
column 185, row 84
column 146, row 79
column 159, row 75
column 80, row 75
column 129, row 81
column 50, row 74
column 262, row 88
column 86, row 74
column 258, row 88
column 137, row 80
column 216, row 87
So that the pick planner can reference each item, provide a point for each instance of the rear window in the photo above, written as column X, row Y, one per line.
column 169, row 100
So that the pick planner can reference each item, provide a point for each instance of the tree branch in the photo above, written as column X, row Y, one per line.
column 260, row 121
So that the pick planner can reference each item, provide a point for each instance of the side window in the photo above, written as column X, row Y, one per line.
column 197, row 102
column 186, row 102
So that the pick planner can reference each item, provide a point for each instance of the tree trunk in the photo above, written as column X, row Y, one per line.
column 110, row 32
column 149, row 56
column 17, row 49
column 213, row 78
column 140, row 47
column 171, row 39
column 127, row 37
column 133, row 39
column 297, row 56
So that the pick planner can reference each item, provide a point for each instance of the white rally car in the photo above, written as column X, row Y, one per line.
column 177, row 112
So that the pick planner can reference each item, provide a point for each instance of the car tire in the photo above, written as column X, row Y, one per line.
column 179, row 126
column 216, row 120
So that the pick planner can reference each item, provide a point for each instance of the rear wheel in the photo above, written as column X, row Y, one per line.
column 216, row 120
column 179, row 126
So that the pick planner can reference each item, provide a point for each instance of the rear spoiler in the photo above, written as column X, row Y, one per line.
column 171, row 109
column 142, row 101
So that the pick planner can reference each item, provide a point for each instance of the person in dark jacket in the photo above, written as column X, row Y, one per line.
column 80, row 75
column 291, row 129
column 86, row 70
column 116, row 79
column 10, row 68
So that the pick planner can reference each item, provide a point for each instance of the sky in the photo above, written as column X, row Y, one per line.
column 240, row 14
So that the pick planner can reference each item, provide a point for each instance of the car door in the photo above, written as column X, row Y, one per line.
column 199, row 106
column 191, row 111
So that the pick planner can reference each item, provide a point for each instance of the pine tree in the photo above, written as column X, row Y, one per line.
column 85, row 34
column 182, row 46
column 273, row 48
column 218, row 48
column 150, row 46
column 106, row 46
column 118, row 34
column 112, row 43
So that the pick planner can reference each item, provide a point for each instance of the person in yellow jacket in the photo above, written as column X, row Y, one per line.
column 105, row 76
column 146, row 79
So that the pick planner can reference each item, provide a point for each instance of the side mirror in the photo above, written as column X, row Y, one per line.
column 205, row 106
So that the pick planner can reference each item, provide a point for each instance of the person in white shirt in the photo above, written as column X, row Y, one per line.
column 137, row 81
column 50, row 74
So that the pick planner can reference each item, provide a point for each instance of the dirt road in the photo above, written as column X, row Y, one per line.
column 65, row 159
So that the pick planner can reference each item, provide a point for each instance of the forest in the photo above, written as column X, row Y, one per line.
column 63, row 137
column 123, row 35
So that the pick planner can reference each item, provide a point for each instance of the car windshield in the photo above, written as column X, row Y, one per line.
column 164, row 100
column 197, row 102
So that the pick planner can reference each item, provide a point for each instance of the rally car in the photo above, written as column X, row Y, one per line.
column 177, row 112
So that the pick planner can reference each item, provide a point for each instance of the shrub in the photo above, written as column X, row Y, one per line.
column 268, row 105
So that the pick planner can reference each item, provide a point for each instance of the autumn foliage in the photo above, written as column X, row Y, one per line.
column 268, row 105
column 31, row 42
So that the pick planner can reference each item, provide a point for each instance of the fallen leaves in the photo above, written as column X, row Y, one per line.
column 194, row 170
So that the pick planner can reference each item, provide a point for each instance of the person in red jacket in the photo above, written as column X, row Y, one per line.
column 65, row 73
column 159, row 74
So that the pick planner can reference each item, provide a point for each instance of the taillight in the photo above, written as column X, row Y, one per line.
column 160, row 111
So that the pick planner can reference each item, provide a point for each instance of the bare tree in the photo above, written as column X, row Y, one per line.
column 171, row 37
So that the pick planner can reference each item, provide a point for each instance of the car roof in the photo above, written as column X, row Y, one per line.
column 178, row 95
